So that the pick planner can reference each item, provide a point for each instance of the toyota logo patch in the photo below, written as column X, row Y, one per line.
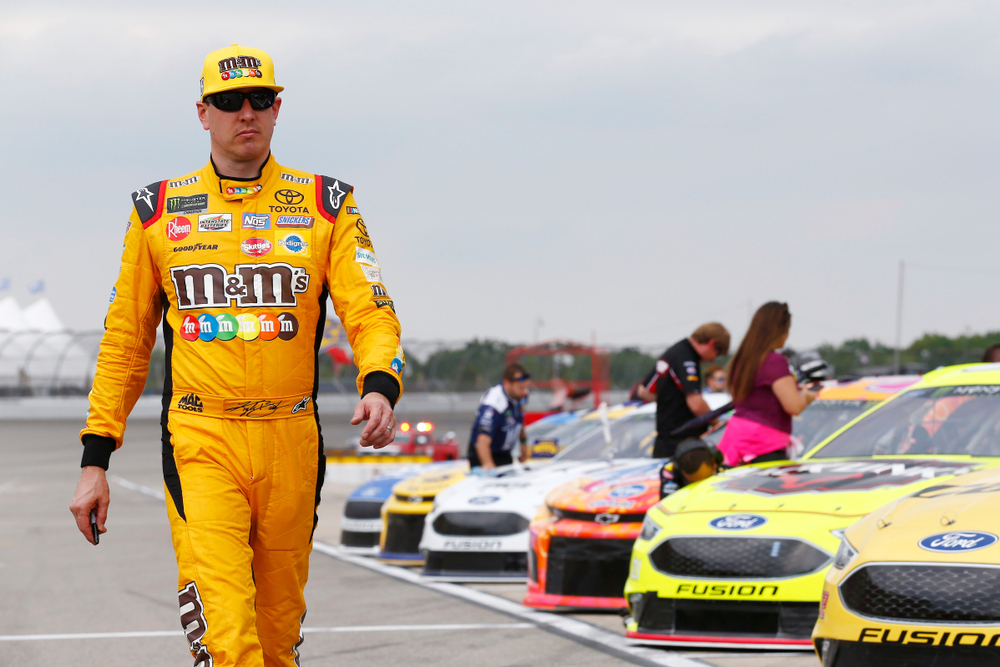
column 289, row 197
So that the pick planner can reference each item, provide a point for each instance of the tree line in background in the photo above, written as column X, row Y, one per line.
column 479, row 363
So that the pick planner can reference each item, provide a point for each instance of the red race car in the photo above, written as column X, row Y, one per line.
column 416, row 439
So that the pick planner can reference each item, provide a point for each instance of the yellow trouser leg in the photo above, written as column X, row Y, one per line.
column 210, row 522
column 284, row 507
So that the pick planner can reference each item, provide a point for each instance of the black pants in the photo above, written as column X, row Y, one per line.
column 776, row 455
column 499, row 458
column 664, row 448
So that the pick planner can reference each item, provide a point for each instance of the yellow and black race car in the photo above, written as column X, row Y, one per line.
column 917, row 582
column 740, row 559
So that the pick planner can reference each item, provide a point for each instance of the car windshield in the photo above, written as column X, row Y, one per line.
column 631, row 438
column 568, row 434
column 961, row 420
column 822, row 418
column 541, row 430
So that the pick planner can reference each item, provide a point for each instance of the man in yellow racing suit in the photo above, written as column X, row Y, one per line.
column 238, row 260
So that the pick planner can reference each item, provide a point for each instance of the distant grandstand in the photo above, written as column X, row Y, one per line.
column 39, row 356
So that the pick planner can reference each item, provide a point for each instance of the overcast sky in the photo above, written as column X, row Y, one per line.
column 626, row 170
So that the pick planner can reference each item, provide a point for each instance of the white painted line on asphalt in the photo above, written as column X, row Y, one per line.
column 152, row 493
column 343, row 628
column 421, row 628
column 566, row 626
column 91, row 635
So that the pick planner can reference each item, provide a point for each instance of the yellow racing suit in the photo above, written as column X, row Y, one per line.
column 239, row 272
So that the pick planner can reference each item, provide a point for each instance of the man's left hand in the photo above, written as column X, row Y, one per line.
column 381, row 428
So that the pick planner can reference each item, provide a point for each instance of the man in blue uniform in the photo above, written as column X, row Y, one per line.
column 499, row 421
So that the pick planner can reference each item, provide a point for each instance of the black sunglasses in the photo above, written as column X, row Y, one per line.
column 233, row 100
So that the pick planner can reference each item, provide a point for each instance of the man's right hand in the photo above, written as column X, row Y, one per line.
column 92, row 493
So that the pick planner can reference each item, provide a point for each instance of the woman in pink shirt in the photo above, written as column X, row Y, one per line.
column 768, row 396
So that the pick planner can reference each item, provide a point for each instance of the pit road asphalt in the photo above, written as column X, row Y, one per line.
column 65, row 602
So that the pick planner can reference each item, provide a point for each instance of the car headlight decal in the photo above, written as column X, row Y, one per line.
column 649, row 528
column 845, row 554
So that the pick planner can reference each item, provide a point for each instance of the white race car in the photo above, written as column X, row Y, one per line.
column 478, row 527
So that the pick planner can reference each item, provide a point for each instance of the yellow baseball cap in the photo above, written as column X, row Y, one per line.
column 237, row 67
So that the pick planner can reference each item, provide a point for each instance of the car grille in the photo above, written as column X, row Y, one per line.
column 480, row 523
column 592, row 516
column 737, row 557
column 403, row 533
column 363, row 509
column 851, row 654
column 414, row 499
column 955, row 593
column 780, row 620
column 594, row 568
column 457, row 563
column 349, row 538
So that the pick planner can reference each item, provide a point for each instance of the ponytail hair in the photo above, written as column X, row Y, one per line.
column 770, row 323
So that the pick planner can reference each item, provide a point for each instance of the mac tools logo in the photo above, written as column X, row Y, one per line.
column 958, row 541
column 738, row 522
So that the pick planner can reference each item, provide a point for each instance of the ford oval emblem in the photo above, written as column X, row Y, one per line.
column 958, row 541
column 483, row 500
column 738, row 522
column 630, row 491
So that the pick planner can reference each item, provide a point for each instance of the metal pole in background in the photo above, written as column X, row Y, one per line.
column 896, row 364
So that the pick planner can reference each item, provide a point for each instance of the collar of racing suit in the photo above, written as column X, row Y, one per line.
column 234, row 189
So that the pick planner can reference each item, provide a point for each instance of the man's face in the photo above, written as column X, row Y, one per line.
column 716, row 381
column 244, row 135
column 517, row 388
column 706, row 350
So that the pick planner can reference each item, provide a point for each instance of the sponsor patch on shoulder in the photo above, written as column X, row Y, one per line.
column 372, row 273
column 191, row 204
column 296, row 179
column 186, row 181
column 385, row 303
column 352, row 210
column 178, row 228
column 365, row 256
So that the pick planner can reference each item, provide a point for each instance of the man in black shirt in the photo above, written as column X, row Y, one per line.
column 676, row 383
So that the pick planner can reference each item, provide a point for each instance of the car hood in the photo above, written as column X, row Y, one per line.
column 431, row 483
column 521, row 491
column 380, row 488
column 953, row 520
column 625, row 488
column 840, row 487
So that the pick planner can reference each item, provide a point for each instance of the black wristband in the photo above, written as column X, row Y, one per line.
column 381, row 382
column 97, row 450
